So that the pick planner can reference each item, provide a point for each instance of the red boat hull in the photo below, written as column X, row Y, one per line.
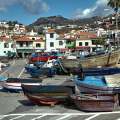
column 98, row 103
column 44, row 100
column 47, row 94
column 42, row 58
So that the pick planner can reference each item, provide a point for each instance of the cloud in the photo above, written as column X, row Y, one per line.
column 100, row 8
column 31, row 6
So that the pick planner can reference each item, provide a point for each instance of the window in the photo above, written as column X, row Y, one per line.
column 68, row 42
column 51, row 44
column 93, row 42
column 86, row 43
column 12, row 45
column 6, row 45
column 33, row 38
column 60, row 42
column 51, row 35
column 80, row 43
column 38, row 45
column 27, row 44
column 21, row 44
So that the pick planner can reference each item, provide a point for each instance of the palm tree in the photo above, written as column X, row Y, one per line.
column 115, row 4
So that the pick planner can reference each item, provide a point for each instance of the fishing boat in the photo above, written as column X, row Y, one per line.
column 43, row 57
column 101, row 71
column 3, row 78
column 36, row 65
column 107, row 59
column 96, row 102
column 46, row 94
column 36, row 73
column 46, row 69
column 14, row 84
column 28, row 67
column 97, row 71
column 94, row 84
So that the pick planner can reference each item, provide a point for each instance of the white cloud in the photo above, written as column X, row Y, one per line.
column 100, row 8
column 31, row 6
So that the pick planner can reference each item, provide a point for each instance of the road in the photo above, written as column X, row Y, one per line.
column 15, row 106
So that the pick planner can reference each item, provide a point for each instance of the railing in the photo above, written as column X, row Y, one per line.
column 25, row 47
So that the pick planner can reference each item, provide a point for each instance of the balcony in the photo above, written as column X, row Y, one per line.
column 24, row 47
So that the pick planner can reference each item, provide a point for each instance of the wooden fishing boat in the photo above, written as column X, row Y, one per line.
column 43, row 57
column 86, row 88
column 94, row 84
column 94, row 71
column 100, row 71
column 96, row 102
column 3, row 78
column 14, row 84
column 46, row 94
column 108, row 59
column 46, row 69
column 35, row 66
column 36, row 72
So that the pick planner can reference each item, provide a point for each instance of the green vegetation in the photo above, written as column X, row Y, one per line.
column 99, row 41
column 70, row 44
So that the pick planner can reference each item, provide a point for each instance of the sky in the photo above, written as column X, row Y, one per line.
column 28, row 11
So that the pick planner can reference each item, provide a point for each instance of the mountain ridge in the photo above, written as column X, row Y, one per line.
column 60, row 20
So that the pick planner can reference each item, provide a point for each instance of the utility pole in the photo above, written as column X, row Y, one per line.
column 116, row 17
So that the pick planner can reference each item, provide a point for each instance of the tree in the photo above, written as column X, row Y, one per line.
column 99, row 41
column 115, row 4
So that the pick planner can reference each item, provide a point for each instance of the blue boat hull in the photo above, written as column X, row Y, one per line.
column 37, row 72
column 47, row 94
column 14, row 84
column 96, row 71
column 94, row 84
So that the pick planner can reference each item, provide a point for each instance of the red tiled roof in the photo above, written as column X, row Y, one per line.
column 3, row 38
column 24, row 38
column 84, row 38
column 17, row 36
column 39, row 40
column 50, row 30
column 87, row 34
column 70, row 37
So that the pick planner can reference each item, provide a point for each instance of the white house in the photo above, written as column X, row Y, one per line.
column 53, row 41
column 18, row 29
column 84, row 41
column 6, row 46
column 60, row 43
column 101, row 32
column 39, row 44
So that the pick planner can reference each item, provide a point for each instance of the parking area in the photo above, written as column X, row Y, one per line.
column 63, row 116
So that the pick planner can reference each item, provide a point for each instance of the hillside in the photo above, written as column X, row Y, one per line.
column 59, row 20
